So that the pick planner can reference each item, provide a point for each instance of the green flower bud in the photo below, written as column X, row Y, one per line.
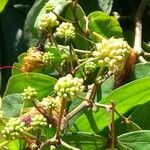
column 48, row 57
column 50, row 103
column 89, row 67
column 52, row 147
column 47, row 21
column 112, row 53
column 38, row 121
column 68, row 86
column 14, row 128
column 29, row 93
column 65, row 30
column 48, row 7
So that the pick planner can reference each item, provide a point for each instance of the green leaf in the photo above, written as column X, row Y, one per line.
column 16, row 145
column 107, row 87
column 104, row 25
column 43, row 84
column 79, row 41
column 85, row 141
column 141, row 70
column 126, row 98
column 3, row 4
column 17, row 65
column 137, row 140
column 141, row 116
column 12, row 105
column 125, row 127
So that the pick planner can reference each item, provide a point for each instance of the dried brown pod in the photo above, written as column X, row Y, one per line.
column 32, row 60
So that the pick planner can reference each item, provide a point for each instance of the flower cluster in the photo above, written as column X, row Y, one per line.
column 48, row 7
column 33, row 59
column 47, row 21
column 65, row 30
column 13, row 128
column 89, row 67
column 68, row 86
column 50, row 102
column 112, row 53
column 38, row 121
column 48, row 57
column 29, row 93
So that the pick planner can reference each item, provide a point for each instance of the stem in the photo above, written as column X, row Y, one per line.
column 142, row 60
column 30, row 135
column 103, row 106
column 85, row 38
column 63, row 19
column 57, row 68
column 74, row 53
column 146, row 54
column 76, row 110
column 49, row 141
column 71, row 55
column 95, row 86
column 138, row 28
column 62, row 108
column 74, row 6
column 80, row 65
column 125, row 120
column 38, row 109
column 113, row 127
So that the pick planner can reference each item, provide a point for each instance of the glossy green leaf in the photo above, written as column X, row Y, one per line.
column 43, row 84
column 141, row 116
column 3, row 4
column 85, row 141
column 12, row 105
column 104, row 25
column 79, row 41
column 107, row 87
column 141, row 70
column 137, row 140
column 126, row 98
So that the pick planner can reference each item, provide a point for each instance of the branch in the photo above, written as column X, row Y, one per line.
column 61, row 113
column 138, row 28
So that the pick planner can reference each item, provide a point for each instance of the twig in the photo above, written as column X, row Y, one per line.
column 80, row 65
column 61, row 113
column 142, row 60
column 76, row 110
column 125, row 120
column 113, row 127
column 138, row 28
column 146, row 54
column 103, row 106
column 51, row 141
column 38, row 109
